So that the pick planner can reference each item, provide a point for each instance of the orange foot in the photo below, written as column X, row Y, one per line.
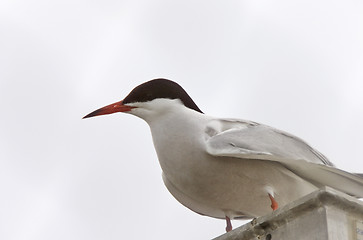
column 274, row 204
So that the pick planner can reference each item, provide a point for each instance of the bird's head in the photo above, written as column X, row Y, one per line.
column 149, row 99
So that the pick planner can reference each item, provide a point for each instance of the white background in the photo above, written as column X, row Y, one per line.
column 294, row 65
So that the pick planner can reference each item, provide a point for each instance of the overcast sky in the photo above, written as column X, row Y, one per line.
column 294, row 65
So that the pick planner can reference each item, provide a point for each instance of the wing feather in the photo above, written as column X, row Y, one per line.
column 249, row 140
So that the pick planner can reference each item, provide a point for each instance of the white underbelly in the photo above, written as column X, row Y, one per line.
column 235, row 187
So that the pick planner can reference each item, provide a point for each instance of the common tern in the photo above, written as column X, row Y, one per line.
column 227, row 168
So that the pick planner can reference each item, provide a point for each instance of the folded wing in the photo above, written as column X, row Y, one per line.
column 249, row 140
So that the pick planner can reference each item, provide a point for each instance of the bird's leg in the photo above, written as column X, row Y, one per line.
column 229, row 224
column 274, row 204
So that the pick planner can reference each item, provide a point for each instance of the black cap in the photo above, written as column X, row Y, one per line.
column 160, row 88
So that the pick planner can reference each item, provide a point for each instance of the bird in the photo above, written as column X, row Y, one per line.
column 227, row 168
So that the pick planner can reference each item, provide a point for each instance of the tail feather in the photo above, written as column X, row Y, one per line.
column 350, row 183
column 323, row 175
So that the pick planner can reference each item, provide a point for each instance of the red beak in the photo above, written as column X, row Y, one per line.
column 112, row 108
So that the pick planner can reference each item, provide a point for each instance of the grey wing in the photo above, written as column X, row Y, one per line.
column 253, row 140
column 249, row 140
